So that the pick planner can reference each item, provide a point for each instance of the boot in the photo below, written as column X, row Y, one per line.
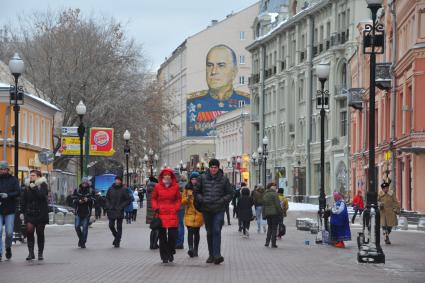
column 387, row 239
column 195, row 252
column 31, row 255
column 190, row 251
column 40, row 255
column 40, row 250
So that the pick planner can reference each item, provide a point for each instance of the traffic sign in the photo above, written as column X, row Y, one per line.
column 70, row 131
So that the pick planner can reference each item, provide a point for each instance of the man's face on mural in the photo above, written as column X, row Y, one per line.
column 221, row 70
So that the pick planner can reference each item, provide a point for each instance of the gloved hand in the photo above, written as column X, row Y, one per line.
column 3, row 195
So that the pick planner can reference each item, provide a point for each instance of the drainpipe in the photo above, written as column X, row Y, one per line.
column 309, row 99
column 6, row 128
column 262, row 106
column 393, row 90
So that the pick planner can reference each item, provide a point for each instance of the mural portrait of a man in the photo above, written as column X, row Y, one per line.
column 204, row 106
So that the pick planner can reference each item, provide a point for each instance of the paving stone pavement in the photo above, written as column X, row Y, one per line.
column 246, row 260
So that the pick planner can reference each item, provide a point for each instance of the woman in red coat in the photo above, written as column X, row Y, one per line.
column 166, row 202
column 358, row 205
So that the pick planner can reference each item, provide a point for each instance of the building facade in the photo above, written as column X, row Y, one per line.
column 232, row 143
column 291, row 39
column 400, row 125
column 36, row 123
column 194, row 82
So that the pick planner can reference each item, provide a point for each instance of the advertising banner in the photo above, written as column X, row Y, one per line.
column 101, row 142
column 70, row 146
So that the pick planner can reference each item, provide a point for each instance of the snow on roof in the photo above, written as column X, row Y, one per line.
column 32, row 96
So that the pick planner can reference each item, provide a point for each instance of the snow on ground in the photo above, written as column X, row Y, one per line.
column 295, row 206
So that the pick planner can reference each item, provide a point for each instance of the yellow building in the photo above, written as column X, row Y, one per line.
column 36, row 122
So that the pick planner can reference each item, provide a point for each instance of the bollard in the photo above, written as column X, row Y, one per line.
column 402, row 223
column 421, row 224
column 69, row 218
column 60, row 218
column 51, row 218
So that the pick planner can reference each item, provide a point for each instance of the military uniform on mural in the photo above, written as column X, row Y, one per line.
column 203, row 109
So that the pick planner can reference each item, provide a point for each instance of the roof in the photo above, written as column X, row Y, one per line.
column 6, row 79
column 287, row 22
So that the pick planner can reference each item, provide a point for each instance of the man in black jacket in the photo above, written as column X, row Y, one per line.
column 117, row 199
column 9, row 190
column 83, row 200
column 212, row 195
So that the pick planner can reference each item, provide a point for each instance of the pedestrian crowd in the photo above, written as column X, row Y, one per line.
column 174, row 205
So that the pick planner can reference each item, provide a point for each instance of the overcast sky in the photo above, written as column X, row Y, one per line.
column 160, row 25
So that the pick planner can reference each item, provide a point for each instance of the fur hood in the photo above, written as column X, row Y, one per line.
column 37, row 182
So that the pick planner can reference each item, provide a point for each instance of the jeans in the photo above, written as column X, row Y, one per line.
column 259, row 217
column 356, row 210
column 82, row 228
column 134, row 215
column 213, row 224
column 118, row 231
column 180, row 236
column 167, row 242
column 272, row 222
column 245, row 226
column 228, row 214
column 193, row 238
column 7, row 221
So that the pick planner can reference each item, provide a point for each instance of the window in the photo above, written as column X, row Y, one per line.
column 48, row 134
column 242, row 80
column 43, row 134
column 31, row 128
column 241, row 103
column 37, row 127
column 242, row 35
column 242, row 59
column 343, row 117
column 301, row 91
column 24, row 127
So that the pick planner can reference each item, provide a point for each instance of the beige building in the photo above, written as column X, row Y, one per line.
column 232, row 141
column 191, row 76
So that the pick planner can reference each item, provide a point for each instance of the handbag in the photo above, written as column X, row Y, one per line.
column 282, row 230
column 156, row 222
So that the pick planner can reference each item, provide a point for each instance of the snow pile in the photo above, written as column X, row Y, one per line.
column 296, row 206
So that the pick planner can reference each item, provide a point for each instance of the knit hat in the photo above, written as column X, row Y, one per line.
column 85, row 180
column 118, row 178
column 194, row 174
column 385, row 184
column 4, row 164
column 214, row 162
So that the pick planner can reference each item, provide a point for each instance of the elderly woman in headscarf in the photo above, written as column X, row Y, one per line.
column 340, row 227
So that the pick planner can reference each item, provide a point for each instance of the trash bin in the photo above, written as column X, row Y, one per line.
column 60, row 218
column 402, row 223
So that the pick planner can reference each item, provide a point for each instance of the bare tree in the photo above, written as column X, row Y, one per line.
column 71, row 58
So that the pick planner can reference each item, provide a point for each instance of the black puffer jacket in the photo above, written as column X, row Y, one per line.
column 9, row 185
column 117, row 199
column 213, row 192
column 244, row 207
column 83, row 209
column 34, row 202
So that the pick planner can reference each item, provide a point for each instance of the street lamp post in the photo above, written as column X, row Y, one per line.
column 322, row 72
column 81, row 111
column 151, row 158
column 16, row 67
column 127, row 137
column 254, row 161
column 373, row 43
column 265, row 154
column 233, row 168
column 238, row 166
column 260, row 162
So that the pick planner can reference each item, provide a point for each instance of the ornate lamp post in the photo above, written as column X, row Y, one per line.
column 373, row 43
column 127, row 137
column 260, row 162
column 322, row 72
column 254, row 161
column 81, row 111
column 149, row 159
column 16, row 67
column 265, row 154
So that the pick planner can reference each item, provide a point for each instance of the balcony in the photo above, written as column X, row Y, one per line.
column 383, row 76
column 355, row 98
column 255, row 118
